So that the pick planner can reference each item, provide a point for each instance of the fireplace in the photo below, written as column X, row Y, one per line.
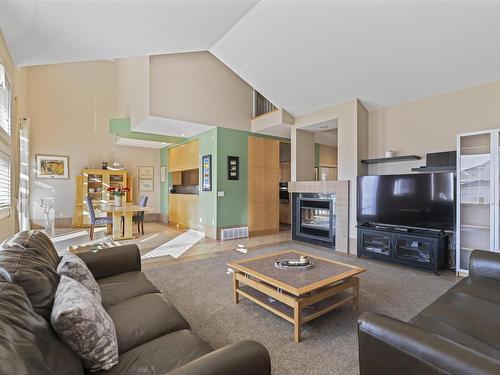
column 314, row 218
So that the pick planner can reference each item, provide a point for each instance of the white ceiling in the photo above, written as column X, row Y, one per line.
column 46, row 32
column 170, row 127
column 301, row 55
column 141, row 143
column 305, row 56
column 322, row 126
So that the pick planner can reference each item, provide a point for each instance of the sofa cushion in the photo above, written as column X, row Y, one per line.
column 463, row 318
column 75, row 268
column 136, row 325
column 35, row 273
column 36, row 240
column 83, row 324
column 27, row 343
column 123, row 286
column 161, row 355
column 481, row 287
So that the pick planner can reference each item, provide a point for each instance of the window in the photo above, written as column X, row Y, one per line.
column 4, row 184
column 5, row 109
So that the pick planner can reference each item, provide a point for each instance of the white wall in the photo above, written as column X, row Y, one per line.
column 71, row 105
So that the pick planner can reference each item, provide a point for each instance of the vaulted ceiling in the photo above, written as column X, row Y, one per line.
column 302, row 55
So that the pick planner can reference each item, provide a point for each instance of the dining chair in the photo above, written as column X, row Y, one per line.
column 139, row 217
column 96, row 220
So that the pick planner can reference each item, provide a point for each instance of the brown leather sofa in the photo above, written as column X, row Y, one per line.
column 153, row 337
column 459, row 333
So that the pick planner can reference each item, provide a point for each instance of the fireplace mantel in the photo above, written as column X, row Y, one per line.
column 338, row 187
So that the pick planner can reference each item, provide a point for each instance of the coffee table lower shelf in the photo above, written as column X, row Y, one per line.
column 296, row 309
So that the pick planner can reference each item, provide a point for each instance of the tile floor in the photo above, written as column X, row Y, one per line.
column 157, row 234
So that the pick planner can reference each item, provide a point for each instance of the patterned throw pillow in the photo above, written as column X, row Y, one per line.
column 73, row 266
column 82, row 323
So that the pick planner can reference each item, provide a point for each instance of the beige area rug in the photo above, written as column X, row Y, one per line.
column 201, row 290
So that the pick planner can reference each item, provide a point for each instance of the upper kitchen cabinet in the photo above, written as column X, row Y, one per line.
column 184, row 157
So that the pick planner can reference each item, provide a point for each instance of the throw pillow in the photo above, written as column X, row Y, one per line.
column 82, row 323
column 73, row 266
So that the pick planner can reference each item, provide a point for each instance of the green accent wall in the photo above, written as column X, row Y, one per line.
column 232, row 208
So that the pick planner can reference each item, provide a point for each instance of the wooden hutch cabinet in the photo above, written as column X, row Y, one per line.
column 94, row 183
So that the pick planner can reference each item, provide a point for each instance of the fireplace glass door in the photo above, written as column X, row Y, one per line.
column 316, row 219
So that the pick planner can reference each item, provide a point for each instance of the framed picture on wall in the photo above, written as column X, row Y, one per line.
column 233, row 167
column 163, row 174
column 146, row 185
column 146, row 172
column 52, row 166
column 206, row 172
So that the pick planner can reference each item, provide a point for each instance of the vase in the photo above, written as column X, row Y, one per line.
column 118, row 201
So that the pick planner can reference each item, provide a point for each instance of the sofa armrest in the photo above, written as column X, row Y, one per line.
column 485, row 264
column 242, row 358
column 112, row 261
column 390, row 346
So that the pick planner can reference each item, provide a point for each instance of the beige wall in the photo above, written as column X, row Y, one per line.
column 351, row 135
column 431, row 124
column 63, row 100
column 197, row 87
column 327, row 156
column 18, row 81
column 132, row 89
column 302, row 150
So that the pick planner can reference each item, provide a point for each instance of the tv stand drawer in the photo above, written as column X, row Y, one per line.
column 413, row 249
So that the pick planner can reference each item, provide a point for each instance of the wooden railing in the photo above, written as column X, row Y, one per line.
column 262, row 105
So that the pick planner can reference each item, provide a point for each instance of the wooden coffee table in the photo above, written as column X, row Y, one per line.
column 297, row 296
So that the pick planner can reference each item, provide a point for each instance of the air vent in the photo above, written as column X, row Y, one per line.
column 231, row 233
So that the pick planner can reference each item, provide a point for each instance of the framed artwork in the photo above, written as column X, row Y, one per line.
column 146, row 172
column 233, row 167
column 206, row 172
column 52, row 166
column 163, row 174
column 146, row 185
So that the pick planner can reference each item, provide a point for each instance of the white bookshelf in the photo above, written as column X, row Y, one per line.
column 478, row 184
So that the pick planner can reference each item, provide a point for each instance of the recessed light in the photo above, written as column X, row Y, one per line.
column 183, row 134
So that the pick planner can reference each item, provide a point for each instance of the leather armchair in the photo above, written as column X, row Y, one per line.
column 485, row 264
column 389, row 346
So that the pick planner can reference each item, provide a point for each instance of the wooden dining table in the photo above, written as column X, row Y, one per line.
column 126, row 211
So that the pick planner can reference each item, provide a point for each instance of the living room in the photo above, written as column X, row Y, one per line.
column 223, row 193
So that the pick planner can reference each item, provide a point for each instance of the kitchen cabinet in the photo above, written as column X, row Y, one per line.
column 183, row 210
column 184, row 156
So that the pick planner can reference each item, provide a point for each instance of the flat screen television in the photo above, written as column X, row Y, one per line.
column 410, row 200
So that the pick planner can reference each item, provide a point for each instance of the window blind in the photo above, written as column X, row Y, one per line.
column 4, row 181
column 5, row 111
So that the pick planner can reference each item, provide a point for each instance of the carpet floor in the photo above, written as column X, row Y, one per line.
column 201, row 290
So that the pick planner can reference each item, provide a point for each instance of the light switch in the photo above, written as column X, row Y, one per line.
column 220, row 193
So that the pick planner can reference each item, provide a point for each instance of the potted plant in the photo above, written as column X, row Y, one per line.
column 118, row 193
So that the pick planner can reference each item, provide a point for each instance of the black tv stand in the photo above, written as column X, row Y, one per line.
column 410, row 246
